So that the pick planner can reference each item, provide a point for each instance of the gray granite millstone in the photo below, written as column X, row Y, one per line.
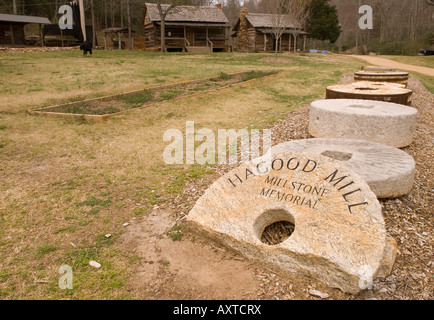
column 339, row 234
column 383, row 122
column 388, row 171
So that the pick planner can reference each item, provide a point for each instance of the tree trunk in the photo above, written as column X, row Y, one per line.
column 14, row 5
column 56, row 9
column 105, row 14
column 277, row 46
column 163, row 34
column 130, row 36
column 113, row 13
column 93, row 24
column 122, row 13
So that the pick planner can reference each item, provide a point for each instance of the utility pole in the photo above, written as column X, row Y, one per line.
column 82, row 19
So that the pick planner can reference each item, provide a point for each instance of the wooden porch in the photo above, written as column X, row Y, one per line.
column 188, row 38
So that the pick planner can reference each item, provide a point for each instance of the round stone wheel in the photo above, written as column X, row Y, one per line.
column 367, row 90
column 394, row 77
column 381, row 122
column 388, row 171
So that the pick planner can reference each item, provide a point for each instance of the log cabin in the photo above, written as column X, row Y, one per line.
column 255, row 32
column 187, row 29
column 12, row 28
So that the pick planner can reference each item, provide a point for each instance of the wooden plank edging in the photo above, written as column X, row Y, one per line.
column 104, row 117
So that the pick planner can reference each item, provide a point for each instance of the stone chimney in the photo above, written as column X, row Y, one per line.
column 243, row 32
column 218, row 6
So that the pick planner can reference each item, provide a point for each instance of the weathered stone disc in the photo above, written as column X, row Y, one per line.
column 367, row 90
column 387, row 123
column 339, row 236
column 388, row 171
column 377, row 76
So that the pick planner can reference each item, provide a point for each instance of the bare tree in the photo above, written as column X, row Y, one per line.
column 232, row 9
column 164, row 8
column 300, row 13
column 286, row 14
column 278, row 18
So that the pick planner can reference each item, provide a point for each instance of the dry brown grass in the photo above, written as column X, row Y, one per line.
column 65, row 184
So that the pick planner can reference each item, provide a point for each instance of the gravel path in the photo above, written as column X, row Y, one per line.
column 383, row 62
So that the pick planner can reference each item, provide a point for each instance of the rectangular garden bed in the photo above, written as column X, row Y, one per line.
column 100, row 109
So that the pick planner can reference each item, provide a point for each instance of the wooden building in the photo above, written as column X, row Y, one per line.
column 12, row 28
column 187, row 28
column 255, row 32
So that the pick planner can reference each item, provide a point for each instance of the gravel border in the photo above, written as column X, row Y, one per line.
column 409, row 219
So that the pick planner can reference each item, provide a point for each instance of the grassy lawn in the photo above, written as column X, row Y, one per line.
column 427, row 81
column 66, row 184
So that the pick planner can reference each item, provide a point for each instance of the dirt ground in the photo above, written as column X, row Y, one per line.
column 196, row 268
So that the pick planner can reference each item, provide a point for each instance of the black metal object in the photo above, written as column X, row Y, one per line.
column 424, row 52
column 86, row 46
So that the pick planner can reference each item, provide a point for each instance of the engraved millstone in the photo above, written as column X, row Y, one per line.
column 388, row 171
column 338, row 233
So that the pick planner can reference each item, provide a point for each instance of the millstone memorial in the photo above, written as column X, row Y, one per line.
column 386, row 123
column 388, row 171
column 336, row 231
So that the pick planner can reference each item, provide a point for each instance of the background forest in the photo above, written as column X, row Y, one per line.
column 400, row 26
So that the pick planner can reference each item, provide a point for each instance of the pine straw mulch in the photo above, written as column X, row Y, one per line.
column 409, row 219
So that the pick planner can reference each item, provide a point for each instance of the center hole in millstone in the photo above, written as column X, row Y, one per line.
column 337, row 155
column 366, row 89
column 274, row 226
column 277, row 232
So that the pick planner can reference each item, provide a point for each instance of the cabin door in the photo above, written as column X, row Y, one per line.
column 189, row 34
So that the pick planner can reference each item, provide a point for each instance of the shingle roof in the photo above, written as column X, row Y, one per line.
column 23, row 19
column 264, row 20
column 187, row 14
